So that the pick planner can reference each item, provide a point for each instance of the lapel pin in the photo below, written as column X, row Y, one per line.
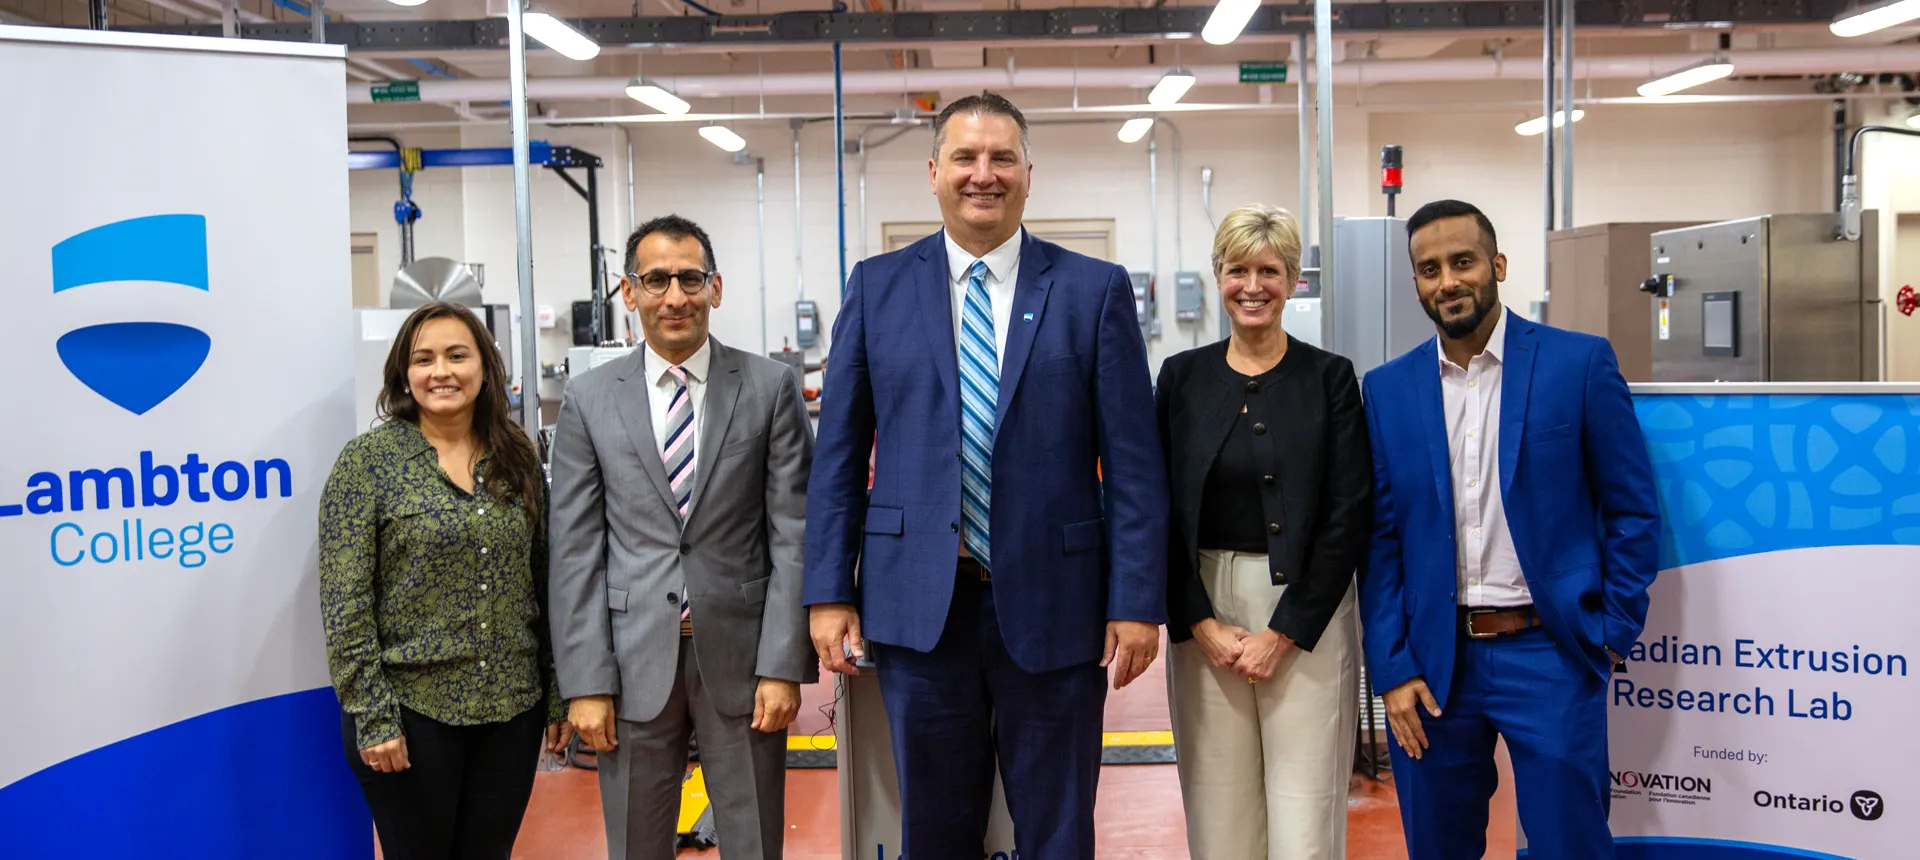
column 1028, row 317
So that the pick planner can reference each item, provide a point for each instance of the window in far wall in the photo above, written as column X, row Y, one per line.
column 1090, row 236
column 366, row 270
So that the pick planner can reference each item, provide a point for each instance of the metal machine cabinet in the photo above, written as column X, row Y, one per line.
column 1596, row 277
column 1301, row 317
column 1775, row 298
column 1376, row 312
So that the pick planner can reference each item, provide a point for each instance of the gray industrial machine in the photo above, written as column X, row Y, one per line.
column 1376, row 313
column 432, row 279
column 1302, row 315
column 1777, row 298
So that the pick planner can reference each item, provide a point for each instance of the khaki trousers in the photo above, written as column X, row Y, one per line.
column 1264, row 767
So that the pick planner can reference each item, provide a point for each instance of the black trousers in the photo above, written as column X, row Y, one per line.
column 464, row 793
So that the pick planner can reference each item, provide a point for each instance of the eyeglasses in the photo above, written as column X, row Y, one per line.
column 692, row 281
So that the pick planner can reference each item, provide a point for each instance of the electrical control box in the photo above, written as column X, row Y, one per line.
column 806, row 323
column 1145, row 306
column 1189, row 290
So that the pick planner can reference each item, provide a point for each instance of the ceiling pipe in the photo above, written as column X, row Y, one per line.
column 187, row 12
column 1120, row 113
column 215, row 9
column 1886, row 58
column 392, row 74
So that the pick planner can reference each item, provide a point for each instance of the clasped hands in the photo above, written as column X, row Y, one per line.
column 1254, row 656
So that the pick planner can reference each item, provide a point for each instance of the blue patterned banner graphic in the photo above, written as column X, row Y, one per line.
column 1754, row 473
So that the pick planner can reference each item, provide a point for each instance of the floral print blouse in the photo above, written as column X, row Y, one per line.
column 431, row 597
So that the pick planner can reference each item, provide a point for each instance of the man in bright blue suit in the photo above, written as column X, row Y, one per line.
column 1516, row 533
column 994, row 377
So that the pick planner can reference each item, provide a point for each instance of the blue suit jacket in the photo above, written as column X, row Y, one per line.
column 1576, row 485
column 1075, row 392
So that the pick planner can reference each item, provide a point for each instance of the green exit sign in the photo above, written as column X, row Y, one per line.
column 409, row 91
column 1263, row 73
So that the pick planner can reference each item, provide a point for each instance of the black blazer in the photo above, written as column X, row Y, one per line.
column 1317, row 487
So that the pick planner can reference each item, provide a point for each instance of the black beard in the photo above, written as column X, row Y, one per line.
column 1462, row 326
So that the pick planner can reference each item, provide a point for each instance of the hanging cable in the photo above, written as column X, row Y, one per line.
column 405, row 211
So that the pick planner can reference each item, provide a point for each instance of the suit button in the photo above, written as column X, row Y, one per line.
column 673, row 598
column 954, row 526
column 1266, row 479
column 1259, row 429
column 686, row 548
column 1273, row 528
column 1253, row 386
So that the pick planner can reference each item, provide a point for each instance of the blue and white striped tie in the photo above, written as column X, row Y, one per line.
column 979, row 396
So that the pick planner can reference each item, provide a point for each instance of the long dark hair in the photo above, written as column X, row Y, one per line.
column 512, row 463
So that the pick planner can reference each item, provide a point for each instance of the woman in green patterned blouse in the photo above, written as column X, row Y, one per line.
column 433, row 568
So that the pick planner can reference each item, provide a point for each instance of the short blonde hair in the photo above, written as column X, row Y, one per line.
column 1256, row 227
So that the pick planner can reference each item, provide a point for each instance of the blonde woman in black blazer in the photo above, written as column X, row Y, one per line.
column 1270, row 475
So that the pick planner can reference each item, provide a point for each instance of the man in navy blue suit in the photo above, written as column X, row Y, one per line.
column 998, row 376
column 1516, row 533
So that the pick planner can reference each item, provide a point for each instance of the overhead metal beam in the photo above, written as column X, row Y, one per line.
column 822, row 29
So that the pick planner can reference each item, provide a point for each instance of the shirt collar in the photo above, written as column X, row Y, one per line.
column 999, row 260
column 696, row 366
column 413, row 441
column 1496, row 345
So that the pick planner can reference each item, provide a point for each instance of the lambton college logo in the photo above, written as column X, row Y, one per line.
column 135, row 365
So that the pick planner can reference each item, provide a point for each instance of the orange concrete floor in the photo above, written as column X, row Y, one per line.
column 1138, row 818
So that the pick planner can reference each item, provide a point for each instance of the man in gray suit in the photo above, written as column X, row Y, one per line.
column 679, row 503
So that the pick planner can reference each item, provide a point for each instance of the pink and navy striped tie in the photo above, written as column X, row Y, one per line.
column 677, row 450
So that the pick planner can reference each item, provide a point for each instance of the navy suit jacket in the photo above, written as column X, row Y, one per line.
column 1076, row 399
column 1575, row 481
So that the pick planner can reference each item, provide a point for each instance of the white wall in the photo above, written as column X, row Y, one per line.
column 1633, row 163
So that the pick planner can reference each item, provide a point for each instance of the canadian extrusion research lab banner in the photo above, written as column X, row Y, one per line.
column 176, row 334
column 1766, row 711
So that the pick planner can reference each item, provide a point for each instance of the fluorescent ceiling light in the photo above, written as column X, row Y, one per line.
column 1171, row 87
column 1692, row 76
column 406, row 2
column 656, row 97
column 1179, row 34
column 723, row 137
column 1228, row 19
column 556, row 34
column 1913, row 121
column 1538, row 124
column 1861, row 21
column 1135, row 128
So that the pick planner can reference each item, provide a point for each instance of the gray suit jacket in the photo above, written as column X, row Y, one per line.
column 620, row 554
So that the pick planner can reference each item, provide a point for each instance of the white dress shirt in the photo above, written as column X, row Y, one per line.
column 662, row 396
column 1003, row 274
column 1488, row 566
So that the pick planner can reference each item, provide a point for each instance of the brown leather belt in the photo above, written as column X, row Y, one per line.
column 1493, row 622
column 969, row 569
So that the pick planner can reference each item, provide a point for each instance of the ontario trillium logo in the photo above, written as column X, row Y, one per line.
column 135, row 365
